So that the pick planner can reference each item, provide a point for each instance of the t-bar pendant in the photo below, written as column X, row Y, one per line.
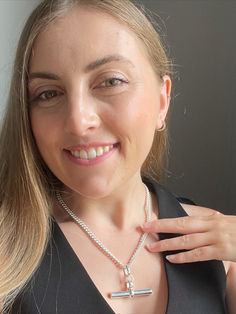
column 129, row 279
column 128, row 294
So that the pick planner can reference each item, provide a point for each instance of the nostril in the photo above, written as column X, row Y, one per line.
column 79, row 124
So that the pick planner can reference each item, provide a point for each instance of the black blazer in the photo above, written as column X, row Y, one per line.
column 61, row 284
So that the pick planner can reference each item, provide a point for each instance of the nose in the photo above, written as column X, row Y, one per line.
column 81, row 116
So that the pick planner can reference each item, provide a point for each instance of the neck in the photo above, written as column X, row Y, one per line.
column 121, row 211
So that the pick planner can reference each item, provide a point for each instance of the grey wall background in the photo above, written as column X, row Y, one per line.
column 201, row 42
column 13, row 14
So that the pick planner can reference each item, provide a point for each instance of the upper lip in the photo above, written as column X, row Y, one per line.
column 87, row 146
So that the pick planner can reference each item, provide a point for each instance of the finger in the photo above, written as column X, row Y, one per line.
column 180, row 225
column 197, row 255
column 185, row 242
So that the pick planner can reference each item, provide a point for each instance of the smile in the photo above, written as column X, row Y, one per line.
column 92, row 152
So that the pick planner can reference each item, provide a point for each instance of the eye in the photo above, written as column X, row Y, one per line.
column 47, row 95
column 112, row 82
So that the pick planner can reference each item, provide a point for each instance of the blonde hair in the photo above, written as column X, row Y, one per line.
column 26, row 184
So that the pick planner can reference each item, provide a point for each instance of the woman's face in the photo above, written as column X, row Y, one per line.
column 95, row 102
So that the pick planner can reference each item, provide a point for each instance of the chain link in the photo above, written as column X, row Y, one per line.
column 99, row 243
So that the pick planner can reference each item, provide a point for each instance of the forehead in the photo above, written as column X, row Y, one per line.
column 84, row 35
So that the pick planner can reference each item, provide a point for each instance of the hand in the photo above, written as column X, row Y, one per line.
column 206, row 237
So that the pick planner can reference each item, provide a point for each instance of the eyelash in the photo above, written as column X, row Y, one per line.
column 121, row 80
column 44, row 93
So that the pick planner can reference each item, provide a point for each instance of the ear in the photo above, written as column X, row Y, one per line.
column 165, row 90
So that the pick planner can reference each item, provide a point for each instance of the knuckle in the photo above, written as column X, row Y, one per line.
column 226, row 242
column 218, row 214
column 163, row 244
column 198, row 253
column 185, row 240
column 181, row 224
column 217, row 223
column 155, row 224
column 219, row 218
column 227, row 247
column 223, row 237
column 158, row 223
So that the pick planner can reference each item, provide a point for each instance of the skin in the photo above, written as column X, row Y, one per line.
column 85, row 108
column 110, row 196
column 83, row 111
column 207, row 235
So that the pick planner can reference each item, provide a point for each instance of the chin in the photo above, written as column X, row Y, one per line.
column 93, row 188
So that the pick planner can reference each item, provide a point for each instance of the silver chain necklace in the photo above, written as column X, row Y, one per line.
column 129, row 279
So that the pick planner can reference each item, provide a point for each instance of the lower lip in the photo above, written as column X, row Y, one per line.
column 90, row 162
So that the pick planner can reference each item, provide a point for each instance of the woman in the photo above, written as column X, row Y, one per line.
column 85, row 119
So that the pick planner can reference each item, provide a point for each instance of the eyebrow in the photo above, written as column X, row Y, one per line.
column 43, row 75
column 90, row 67
column 94, row 65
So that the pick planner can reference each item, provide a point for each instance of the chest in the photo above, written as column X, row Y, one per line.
column 63, row 284
column 148, row 271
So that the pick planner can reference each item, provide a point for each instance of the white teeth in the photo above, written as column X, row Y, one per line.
column 76, row 154
column 92, row 152
column 106, row 149
column 100, row 151
column 83, row 154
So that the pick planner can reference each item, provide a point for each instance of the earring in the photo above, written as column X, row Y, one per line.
column 163, row 127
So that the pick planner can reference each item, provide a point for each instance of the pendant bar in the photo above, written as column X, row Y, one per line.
column 127, row 294
column 129, row 278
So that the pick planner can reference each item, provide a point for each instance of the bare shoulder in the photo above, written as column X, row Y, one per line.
column 193, row 210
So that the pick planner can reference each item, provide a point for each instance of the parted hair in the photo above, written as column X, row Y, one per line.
column 27, row 186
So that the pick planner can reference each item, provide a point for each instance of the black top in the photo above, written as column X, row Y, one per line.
column 61, row 284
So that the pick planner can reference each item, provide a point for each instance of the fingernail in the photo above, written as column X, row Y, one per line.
column 151, row 245
column 170, row 257
column 147, row 225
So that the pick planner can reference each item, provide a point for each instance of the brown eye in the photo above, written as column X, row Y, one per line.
column 47, row 95
column 112, row 82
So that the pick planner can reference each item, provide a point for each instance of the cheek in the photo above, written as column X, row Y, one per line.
column 43, row 130
column 140, row 115
column 135, row 109
column 144, row 119
column 135, row 118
